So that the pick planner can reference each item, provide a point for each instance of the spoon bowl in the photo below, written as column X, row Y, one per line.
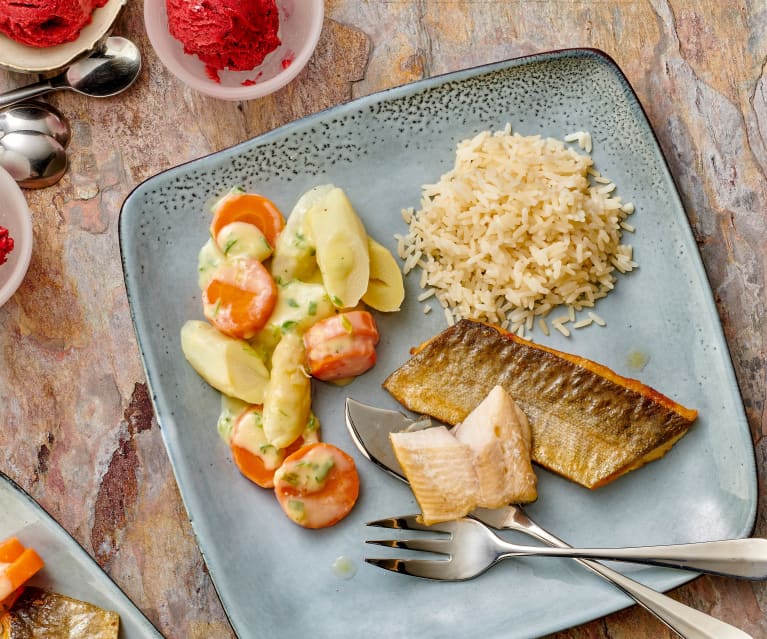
column 35, row 160
column 107, row 72
column 35, row 116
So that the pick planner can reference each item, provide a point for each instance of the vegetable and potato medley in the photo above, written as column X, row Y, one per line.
column 286, row 301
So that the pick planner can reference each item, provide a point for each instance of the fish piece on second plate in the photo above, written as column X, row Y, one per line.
column 499, row 435
column 38, row 613
column 440, row 470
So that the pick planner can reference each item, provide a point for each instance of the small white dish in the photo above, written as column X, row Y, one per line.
column 299, row 31
column 24, row 59
column 16, row 217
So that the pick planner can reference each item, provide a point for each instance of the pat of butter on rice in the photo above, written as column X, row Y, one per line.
column 519, row 226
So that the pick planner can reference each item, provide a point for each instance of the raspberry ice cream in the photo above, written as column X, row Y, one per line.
column 225, row 34
column 45, row 23
column 6, row 244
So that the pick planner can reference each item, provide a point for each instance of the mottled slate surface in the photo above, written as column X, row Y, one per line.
column 77, row 428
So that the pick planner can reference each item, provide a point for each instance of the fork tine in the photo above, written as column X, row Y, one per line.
column 428, row 569
column 405, row 522
column 441, row 546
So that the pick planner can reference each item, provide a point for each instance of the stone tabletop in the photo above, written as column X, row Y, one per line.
column 77, row 428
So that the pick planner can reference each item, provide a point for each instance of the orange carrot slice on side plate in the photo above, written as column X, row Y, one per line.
column 15, row 573
column 10, row 549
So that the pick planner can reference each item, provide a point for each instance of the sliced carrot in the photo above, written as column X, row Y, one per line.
column 239, row 297
column 341, row 346
column 317, row 486
column 10, row 549
column 255, row 467
column 18, row 571
column 252, row 208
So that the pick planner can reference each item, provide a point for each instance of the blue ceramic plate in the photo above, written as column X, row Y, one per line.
column 69, row 570
column 276, row 579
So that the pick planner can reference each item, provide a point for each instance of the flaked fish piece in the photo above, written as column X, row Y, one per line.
column 440, row 471
column 589, row 424
column 498, row 433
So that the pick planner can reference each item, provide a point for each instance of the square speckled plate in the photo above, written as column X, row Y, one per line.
column 68, row 570
column 276, row 579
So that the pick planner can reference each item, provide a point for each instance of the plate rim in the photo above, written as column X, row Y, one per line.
column 84, row 557
column 664, row 579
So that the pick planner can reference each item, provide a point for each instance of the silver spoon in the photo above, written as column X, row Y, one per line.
column 104, row 73
column 35, row 116
column 35, row 160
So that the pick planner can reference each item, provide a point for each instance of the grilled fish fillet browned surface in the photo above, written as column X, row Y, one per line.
column 48, row 615
column 589, row 424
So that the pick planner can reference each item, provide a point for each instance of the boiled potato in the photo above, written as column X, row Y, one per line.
column 229, row 365
column 242, row 239
column 287, row 399
column 294, row 254
column 208, row 260
column 385, row 290
column 342, row 248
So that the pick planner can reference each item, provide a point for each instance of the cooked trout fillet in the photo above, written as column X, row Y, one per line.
column 499, row 436
column 589, row 424
column 440, row 471
column 48, row 615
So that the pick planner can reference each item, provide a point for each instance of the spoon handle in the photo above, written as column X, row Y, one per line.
column 25, row 93
column 741, row 558
column 687, row 622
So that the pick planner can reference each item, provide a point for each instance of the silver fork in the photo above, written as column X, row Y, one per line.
column 369, row 428
column 471, row 548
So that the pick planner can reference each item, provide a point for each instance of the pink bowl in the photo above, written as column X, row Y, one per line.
column 300, row 28
column 15, row 216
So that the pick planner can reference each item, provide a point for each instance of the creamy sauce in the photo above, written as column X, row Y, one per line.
column 249, row 434
column 344, row 568
column 309, row 474
column 637, row 360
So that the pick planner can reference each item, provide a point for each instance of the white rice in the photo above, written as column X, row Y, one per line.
column 519, row 226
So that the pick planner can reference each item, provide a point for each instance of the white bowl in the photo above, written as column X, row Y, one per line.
column 24, row 59
column 299, row 31
column 16, row 217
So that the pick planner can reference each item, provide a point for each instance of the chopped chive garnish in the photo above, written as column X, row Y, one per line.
column 312, row 308
column 229, row 245
column 288, row 326
column 322, row 471
column 292, row 303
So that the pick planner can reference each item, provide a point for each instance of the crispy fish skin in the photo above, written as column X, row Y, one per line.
column 589, row 424
column 38, row 614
